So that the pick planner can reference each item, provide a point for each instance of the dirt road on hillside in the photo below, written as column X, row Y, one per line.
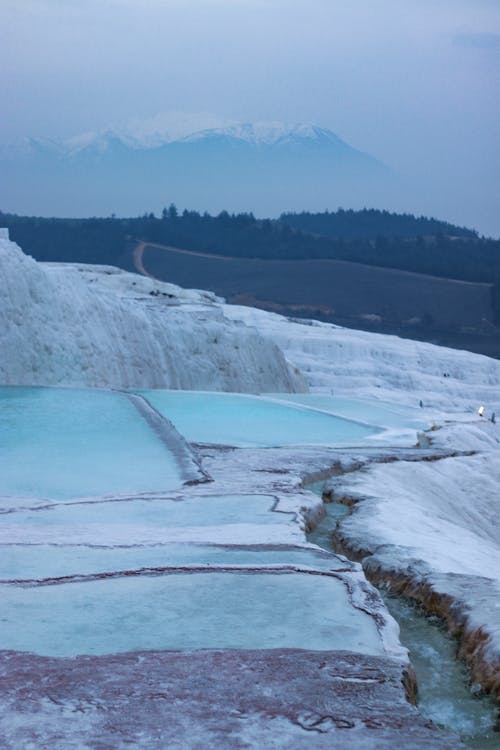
column 141, row 246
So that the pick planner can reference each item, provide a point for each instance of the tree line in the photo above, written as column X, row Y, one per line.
column 370, row 223
column 382, row 239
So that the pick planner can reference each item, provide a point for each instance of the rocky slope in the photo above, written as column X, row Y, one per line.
column 98, row 326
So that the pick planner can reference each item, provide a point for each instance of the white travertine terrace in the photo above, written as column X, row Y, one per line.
column 98, row 326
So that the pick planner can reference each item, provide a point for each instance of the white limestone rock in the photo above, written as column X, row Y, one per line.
column 65, row 324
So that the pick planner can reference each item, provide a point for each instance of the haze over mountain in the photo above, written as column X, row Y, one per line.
column 413, row 84
column 264, row 167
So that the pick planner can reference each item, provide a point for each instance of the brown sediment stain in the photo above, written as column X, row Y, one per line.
column 159, row 699
column 410, row 685
column 276, row 569
column 472, row 641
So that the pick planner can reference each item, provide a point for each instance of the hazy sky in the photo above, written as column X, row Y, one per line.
column 413, row 82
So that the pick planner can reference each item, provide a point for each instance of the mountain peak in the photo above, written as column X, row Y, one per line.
column 265, row 133
column 128, row 168
column 178, row 128
column 261, row 133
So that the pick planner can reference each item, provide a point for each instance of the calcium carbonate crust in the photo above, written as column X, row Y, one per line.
column 74, row 325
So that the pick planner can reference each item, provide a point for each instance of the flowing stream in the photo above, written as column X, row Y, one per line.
column 444, row 692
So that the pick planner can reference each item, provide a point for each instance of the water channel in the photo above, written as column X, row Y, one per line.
column 444, row 692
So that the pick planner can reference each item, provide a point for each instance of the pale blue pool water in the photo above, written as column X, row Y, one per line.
column 64, row 443
column 21, row 562
column 233, row 419
column 378, row 414
column 185, row 610
column 192, row 511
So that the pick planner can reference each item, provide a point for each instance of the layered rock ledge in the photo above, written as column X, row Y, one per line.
column 417, row 532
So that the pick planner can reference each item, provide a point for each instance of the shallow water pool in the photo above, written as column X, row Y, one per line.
column 377, row 414
column 239, row 420
column 186, row 610
column 209, row 510
column 63, row 443
column 39, row 561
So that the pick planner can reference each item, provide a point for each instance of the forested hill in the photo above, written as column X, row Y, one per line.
column 438, row 249
column 371, row 223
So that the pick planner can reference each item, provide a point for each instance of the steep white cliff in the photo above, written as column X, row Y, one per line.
column 97, row 326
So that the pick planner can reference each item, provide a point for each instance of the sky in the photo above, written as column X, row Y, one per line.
column 415, row 83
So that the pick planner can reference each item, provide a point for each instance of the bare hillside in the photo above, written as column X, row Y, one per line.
column 446, row 311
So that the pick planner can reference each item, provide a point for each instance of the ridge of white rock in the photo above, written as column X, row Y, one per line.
column 436, row 525
column 98, row 326
column 380, row 367
column 77, row 324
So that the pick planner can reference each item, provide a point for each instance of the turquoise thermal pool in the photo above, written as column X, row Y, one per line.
column 240, row 420
column 38, row 561
column 192, row 511
column 64, row 450
column 186, row 610
column 368, row 412
column 64, row 443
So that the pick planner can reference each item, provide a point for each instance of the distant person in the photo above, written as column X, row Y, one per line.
column 493, row 418
column 480, row 411
column 421, row 403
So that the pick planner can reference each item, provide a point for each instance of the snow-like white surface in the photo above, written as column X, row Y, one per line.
column 266, row 133
column 346, row 362
column 467, row 433
column 174, row 127
column 439, row 523
column 445, row 512
column 104, row 327
column 100, row 326
column 167, row 127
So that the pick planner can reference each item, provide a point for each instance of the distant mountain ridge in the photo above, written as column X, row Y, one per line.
column 264, row 167
column 256, row 134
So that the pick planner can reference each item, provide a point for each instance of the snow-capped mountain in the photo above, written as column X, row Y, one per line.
column 258, row 134
column 265, row 167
